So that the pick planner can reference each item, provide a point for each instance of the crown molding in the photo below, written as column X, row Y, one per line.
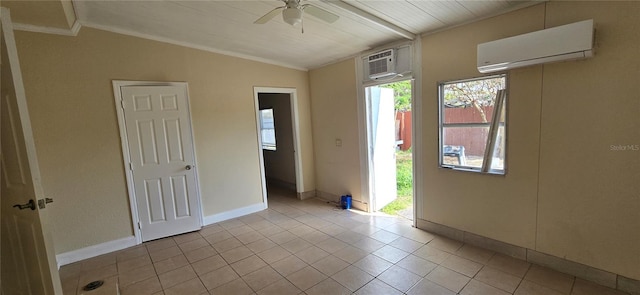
column 73, row 31
column 190, row 45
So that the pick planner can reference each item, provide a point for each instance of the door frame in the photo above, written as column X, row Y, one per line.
column 126, row 153
column 366, row 180
column 366, row 141
column 295, row 122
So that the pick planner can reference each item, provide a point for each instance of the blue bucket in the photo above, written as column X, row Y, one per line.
column 345, row 202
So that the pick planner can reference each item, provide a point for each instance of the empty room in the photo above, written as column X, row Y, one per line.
column 320, row 147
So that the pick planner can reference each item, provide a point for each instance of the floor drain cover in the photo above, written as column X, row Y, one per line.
column 93, row 285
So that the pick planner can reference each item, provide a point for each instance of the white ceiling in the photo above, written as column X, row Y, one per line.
column 227, row 26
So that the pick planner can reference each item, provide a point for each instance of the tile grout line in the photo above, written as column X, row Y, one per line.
column 293, row 216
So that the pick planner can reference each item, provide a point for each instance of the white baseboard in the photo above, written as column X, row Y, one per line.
column 95, row 250
column 116, row 245
column 211, row 219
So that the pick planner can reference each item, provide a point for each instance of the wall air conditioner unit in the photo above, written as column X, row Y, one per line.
column 382, row 64
column 568, row 42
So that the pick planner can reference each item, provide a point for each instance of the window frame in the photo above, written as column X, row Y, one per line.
column 268, row 146
column 493, row 127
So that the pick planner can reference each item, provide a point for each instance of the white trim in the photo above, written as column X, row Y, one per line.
column 211, row 219
column 95, row 250
column 73, row 31
column 296, row 142
column 366, row 160
column 416, row 133
column 191, row 45
column 117, row 94
column 263, row 175
column 295, row 124
column 365, row 178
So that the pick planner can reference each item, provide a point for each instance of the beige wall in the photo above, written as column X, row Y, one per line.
column 498, row 207
column 280, row 164
column 589, row 199
column 566, row 193
column 70, row 97
column 50, row 13
column 335, row 116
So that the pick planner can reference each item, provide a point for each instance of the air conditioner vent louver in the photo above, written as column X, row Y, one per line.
column 382, row 64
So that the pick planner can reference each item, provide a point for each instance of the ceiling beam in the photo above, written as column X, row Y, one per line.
column 371, row 18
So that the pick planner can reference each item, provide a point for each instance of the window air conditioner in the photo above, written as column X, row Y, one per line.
column 382, row 64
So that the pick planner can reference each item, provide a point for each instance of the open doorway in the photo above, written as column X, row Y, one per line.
column 276, row 115
column 389, row 120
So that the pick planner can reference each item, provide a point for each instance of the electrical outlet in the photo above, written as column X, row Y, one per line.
column 338, row 142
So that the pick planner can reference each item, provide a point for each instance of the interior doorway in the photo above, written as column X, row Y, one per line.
column 278, row 138
column 389, row 136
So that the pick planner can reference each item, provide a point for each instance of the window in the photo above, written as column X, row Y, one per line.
column 472, row 124
column 267, row 129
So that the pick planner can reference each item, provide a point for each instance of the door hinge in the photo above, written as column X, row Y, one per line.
column 122, row 104
column 130, row 166
column 139, row 225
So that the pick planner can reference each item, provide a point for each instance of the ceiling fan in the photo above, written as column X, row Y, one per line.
column 292, row 13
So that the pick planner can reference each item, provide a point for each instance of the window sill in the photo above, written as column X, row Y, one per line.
column 475, row 170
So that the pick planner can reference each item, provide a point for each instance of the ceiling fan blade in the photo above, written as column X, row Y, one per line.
column 267, row 17
column 320, row 13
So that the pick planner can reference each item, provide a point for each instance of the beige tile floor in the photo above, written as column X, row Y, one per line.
column 311, row 247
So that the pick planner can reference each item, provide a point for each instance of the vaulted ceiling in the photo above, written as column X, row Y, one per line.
column 227, row 26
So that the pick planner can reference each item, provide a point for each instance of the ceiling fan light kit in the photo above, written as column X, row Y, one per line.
column 292, row 13
column 292, row 16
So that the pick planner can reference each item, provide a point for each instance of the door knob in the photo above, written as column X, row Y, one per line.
column 188, row 167
column 30, row 205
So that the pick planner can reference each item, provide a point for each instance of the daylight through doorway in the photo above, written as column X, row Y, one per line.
column 389, row 133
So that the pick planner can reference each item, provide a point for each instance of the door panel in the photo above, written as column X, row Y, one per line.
column 174, row 144
column 180, row 195
column 147, row 143
column 153, row 194
column 27, row 257
column 383, row 145
column 161, row 147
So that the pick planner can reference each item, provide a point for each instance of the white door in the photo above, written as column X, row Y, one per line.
column 383, row 145
column 158, row 127
column 27, row 257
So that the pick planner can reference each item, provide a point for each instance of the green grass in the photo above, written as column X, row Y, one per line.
column 404, row 178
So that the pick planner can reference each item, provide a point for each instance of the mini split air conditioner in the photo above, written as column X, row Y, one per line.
column 568, row 42
column 382, row 64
